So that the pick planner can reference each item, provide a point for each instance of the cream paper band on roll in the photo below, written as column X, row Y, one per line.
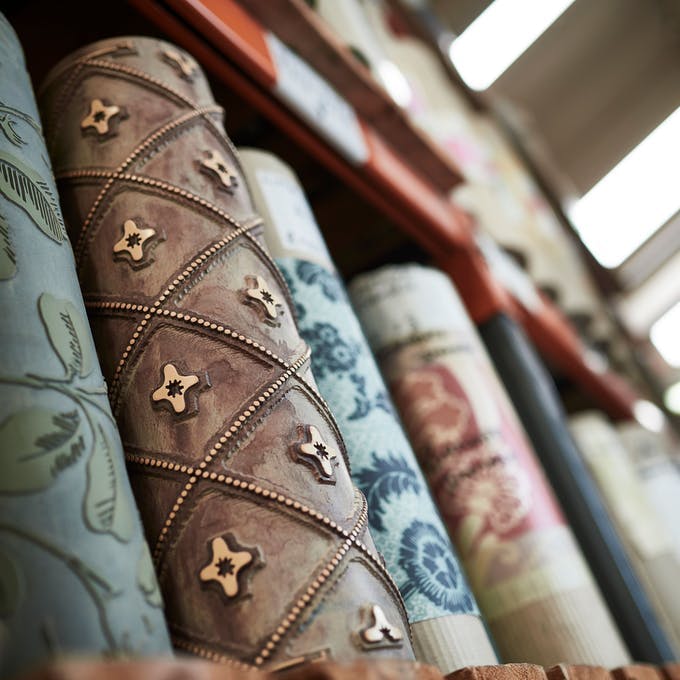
column 649, row 545
column 650, row 454
column 530, row 579
column 447, row 628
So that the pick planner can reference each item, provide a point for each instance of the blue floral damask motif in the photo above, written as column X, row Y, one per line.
column 363, row 404
column 426, row 557
column 331, row 352
column 313, row 274
column 404, row 522
column 388, row 476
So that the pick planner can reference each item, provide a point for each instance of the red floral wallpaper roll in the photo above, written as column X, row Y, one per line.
column 526, row 571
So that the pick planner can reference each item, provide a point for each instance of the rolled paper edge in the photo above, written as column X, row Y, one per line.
column 453, row 642
column 254, row 160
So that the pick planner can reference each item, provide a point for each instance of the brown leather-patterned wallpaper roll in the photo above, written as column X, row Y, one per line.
column 258, row 535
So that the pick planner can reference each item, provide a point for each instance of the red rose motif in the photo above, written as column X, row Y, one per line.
column 431, row 413
column 472, row 472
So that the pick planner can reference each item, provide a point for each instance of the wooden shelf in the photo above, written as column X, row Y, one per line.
column 402, row 173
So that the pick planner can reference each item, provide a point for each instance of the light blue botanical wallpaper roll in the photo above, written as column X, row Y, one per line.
column 404, row 522
column 75, row 572
column 402, row 516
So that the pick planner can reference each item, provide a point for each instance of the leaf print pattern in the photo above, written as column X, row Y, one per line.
column 8, row 260
column 98, row 588
column 25, row 188
column 66, row 330
column 105, row 508
column 41, row 443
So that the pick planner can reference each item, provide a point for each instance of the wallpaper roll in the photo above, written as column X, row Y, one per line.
column 259, row 538
column 75, row 570
column 526, row 571
column 347, row 20
column 447, row 629
column 534, row 396
column 649, row 545
column 651, row 456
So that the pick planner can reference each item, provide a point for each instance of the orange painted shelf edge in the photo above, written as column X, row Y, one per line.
column 231, row 44
column 299, row 26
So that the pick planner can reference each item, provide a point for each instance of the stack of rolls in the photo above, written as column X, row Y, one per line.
column 447, row 629
column 526, row 570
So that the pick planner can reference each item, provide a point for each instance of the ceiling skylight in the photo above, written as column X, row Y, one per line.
column 665, row 334
column 499, row 35
column 633, row 200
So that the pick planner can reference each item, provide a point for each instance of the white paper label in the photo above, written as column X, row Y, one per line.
column 291, row 216
column 316, row 102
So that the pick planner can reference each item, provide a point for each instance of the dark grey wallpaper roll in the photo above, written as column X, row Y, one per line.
column 75, row 572
column 537, row 403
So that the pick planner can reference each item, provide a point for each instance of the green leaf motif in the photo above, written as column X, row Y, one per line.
column 11, row 586
column 146, row 579
column 106, row 508
column 68, row 334
column 37, row 445
column 8, row 260
column 24, row 187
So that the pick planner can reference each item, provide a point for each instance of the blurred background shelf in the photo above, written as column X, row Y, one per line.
column 392, row 202
column 397, row 178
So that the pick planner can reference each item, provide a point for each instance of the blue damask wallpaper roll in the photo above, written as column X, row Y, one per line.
column 404, row 521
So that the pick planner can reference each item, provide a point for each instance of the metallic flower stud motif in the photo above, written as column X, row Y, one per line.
column 174, row 388
column 225, row 565
column 381, row 633
column 260, row 293
column 317, row 454
column 99, row 116
column 217, row 168
column 133, row 240
column 185, row 66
